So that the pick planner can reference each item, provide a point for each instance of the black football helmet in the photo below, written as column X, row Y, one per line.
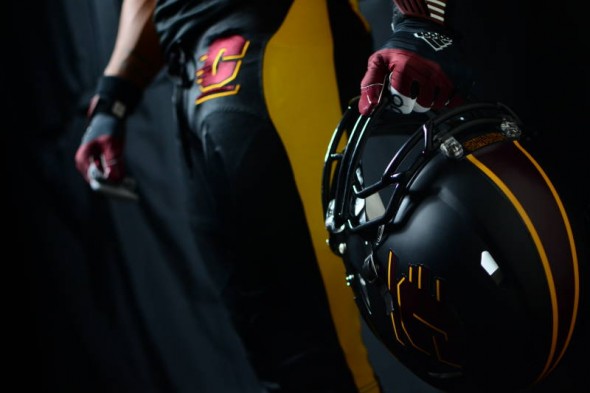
column 456, row 245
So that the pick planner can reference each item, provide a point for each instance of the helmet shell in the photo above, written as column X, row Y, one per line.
column 474, row 280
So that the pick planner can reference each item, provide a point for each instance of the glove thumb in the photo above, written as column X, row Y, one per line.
column 372, row 85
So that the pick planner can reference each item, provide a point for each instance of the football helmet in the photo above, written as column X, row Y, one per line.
column 456, row 245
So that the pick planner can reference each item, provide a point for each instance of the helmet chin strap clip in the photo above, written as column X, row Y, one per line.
column 370, row 274
column 370, row 271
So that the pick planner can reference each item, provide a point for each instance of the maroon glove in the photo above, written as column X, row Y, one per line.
column 100, row 155
column 421, row 66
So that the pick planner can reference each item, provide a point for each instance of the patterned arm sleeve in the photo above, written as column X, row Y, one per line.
column 432, row 10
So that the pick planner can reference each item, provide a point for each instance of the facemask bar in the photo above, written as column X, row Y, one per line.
column 440, row 133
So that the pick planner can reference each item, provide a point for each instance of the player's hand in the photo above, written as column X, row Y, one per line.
column 101, row 149
column 100, row 154
column 422, row 68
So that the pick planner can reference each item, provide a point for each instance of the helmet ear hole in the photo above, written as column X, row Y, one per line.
column 456, row 245
column 374, row 206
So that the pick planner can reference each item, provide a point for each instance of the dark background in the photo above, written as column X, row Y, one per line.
column 86, row 289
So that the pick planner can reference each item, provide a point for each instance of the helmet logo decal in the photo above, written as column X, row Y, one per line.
column 422, row 315
column 222, row 63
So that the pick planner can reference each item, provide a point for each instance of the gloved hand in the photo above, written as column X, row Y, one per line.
column 100, row 154
column 424, row 66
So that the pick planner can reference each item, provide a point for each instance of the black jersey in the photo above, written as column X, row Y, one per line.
column 183, row 22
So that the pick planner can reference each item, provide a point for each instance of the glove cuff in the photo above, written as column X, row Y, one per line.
column 115, row 96
column 411, row 24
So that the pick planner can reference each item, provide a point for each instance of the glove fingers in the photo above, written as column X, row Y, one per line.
column 404, row 87
column 106, row 153
column 427, row 85
column 85, row 156
column 443, row 96
column 112, row 160
column 370, row 98
column 401, row 102
column 372, row 84
column 402, row 79
column 427, row 95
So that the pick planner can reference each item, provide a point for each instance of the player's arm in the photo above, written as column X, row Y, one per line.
column 431, row 10
column 137, row 55
column 421, row 64
column 134, row 62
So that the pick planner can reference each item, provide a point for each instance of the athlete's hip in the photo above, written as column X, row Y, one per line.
column 224, row 74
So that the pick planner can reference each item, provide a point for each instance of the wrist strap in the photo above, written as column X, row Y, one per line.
column 115, row 96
